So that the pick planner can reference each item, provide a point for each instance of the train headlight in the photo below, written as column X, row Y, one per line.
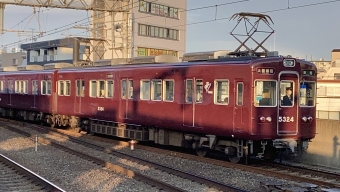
column 304, row 119
column 269, row 119
column 262, row 119
column 310, row 119
column 289, row 62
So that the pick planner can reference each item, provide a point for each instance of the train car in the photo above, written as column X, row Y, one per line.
column 237, row 105
column 26, row 92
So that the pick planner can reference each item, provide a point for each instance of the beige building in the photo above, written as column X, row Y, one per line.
column 12, row 59
column 140, row 28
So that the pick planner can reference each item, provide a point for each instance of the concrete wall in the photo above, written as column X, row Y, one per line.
column 324, row 150
column 7, row 59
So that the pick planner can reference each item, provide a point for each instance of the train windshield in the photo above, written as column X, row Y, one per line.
column 307, row 93
column 265, row 93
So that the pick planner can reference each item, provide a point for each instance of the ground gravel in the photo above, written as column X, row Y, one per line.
column 67, row 171
column 244, row 180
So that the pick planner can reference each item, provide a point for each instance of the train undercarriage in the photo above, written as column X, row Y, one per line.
column 235, row 149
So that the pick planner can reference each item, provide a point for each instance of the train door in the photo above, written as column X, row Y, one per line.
column 10, row 91
column 193, row 102
column 34, row 92
column 80, row 90
column 288, row 104
column 126, row 101
column 238, row 106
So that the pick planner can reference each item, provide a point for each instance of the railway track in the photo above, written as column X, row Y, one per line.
column 310, row 179
column 129, row 173
column 14, row 177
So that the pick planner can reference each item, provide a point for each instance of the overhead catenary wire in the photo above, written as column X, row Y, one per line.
column 188, row 24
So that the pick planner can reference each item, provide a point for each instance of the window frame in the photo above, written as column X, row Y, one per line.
column 216, row 91
column 153, row 96
column 99, row 90
column 141, row 93
column 35, row 85
column 293, row 101
column 277, row 100
column 314, row 94
column 112, row 90
column 237, row 97
column 164, row 95
column 91, row 88
column 196, row 92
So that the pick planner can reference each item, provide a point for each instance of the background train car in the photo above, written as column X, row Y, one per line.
column 27, row 92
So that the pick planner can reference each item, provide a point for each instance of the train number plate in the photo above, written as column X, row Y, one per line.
column 286, row 119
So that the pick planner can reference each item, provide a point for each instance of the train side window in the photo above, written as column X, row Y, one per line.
column 199, row 91
column 168, row 90
column 25, row 87
column 156, row 89
column 130, row 90
column 43, row 87
column 101, row 89
column 93, row 88
column 61, row 88
column 109, row 90
column 17, row 87
column 145, row 90
column 221, row 92
column 80, row 88
column 123, row 94
column 67, row 88
column 239, row 100
column 49, row 87
column 34, row 87
column 307, row 94
column 22, row 87
column 265, row 93
column 2, row 88
column 188, row 92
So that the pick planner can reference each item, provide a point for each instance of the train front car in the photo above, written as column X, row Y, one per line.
column 284, row 110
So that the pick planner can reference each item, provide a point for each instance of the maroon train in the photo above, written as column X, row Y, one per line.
column 232, row 104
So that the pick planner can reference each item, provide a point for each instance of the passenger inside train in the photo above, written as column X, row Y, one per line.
column 288, row 98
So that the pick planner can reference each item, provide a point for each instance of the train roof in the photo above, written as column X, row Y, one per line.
column 189, row 59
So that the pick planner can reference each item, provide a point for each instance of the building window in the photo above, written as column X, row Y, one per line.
column 151, row 51
column 158, row 9
column 160, row 32
column 15, row 62
column 336, row 75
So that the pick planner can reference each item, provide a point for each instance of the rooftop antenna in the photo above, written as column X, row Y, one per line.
column 250, row 32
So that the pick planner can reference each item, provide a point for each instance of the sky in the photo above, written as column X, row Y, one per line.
column 303, row 28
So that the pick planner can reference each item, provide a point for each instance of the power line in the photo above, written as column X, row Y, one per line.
column 200, row 22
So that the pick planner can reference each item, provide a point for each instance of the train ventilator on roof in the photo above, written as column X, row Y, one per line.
column 30, row 68
column 154, row 59
column 9, row 68
column 204, row 56
column 57, row 65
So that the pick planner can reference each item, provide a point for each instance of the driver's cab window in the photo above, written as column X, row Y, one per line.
column 287, row 90
column 307, row 94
